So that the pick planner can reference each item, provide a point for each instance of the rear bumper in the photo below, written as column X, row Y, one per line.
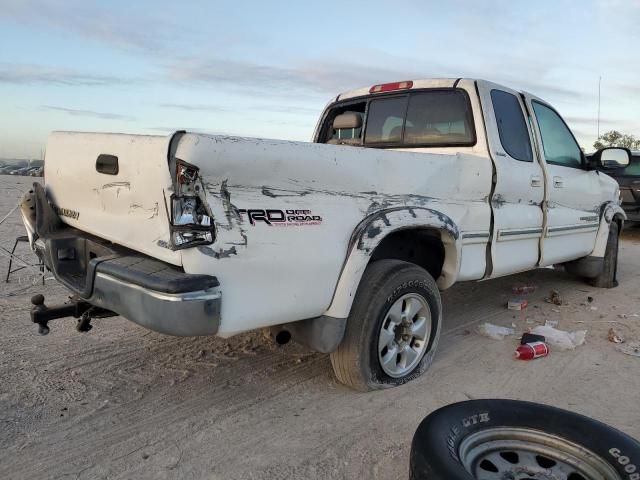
column 183, row 314
column 151, row 293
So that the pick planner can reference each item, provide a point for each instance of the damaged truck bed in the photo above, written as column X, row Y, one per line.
column 342, row 244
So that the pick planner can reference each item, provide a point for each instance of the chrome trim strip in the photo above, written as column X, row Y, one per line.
column 475, row 234
column 524, row 231
column 471, row 238
column 567, row 228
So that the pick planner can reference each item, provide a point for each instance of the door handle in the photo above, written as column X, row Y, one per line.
column 536, row 181
column 107, row 164
column 558, row 182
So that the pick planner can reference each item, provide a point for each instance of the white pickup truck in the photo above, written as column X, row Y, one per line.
column 342, row 244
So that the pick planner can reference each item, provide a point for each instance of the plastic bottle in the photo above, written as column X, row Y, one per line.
column 529, row 351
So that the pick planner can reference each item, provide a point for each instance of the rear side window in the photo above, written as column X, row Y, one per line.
column 429, row 119
column 385, row 120
column 560, row 148
column 512, row 128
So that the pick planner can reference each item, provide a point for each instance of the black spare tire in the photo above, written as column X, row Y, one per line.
column 510, row 439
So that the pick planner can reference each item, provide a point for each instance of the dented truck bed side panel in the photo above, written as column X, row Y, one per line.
column 286, row 211
column 128, row 208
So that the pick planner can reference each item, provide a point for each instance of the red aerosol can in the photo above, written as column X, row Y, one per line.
column 529, row 351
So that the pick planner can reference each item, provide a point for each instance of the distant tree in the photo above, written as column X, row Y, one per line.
column 616, row 139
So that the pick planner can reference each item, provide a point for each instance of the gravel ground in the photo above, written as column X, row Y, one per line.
column 123, row 402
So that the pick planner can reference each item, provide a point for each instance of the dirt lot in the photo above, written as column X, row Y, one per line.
column 123, row 402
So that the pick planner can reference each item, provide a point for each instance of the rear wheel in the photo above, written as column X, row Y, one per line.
column 393, row 329
column 509, row 439
column 608, row 277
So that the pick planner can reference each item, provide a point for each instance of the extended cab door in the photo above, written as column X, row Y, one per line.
column 519, row 182
column 572, row 203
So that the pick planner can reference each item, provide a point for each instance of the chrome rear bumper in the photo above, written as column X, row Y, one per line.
column 183, row 314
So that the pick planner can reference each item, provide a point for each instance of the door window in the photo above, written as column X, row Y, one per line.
column 512, row 128
column 560, row 148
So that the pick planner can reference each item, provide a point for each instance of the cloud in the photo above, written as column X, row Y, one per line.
column 87, row 113
column 102, row 22
column 628, row 88
column 286, row 109
column 311, row 78
column 328, row 77
column 591, row 121
column 29, row 74
column 194, row 107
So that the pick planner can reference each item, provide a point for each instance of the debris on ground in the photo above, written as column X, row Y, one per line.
column 561, row 339
column 615, row 336
column 517, row 304
column 523, row 289
column 531, row 337
column 630, row 349
column 495, row 332
column 590, row 299
column 531, row 351
column 551, row 323
column 554, row 297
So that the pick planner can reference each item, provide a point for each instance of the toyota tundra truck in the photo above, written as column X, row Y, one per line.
column 342, row 244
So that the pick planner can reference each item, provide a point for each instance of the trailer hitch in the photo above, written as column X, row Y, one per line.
column 83, row 311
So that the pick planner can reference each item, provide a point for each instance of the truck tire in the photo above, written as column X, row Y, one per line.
column 499, row 439
column 393, row 329
column 608, row 277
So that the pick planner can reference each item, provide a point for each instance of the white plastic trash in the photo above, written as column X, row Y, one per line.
column 560, row 339
column 494, row 331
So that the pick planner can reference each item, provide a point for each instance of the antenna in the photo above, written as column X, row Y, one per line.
column 599, row 82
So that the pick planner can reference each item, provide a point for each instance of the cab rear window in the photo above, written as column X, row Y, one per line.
column 385, row 120
column 426, row 118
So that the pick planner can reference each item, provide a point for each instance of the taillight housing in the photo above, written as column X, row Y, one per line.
column 191, row 218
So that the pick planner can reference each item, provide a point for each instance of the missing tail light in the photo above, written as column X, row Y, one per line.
column 191, row 218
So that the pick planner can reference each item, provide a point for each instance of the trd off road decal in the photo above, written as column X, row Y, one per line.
column 281, row 218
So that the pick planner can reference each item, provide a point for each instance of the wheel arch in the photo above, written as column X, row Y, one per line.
column 383, row 235
column 609, row 212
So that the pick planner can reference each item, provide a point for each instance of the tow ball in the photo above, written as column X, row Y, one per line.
column 83, row 311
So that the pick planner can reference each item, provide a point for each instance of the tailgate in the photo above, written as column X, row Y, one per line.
column 114, row 186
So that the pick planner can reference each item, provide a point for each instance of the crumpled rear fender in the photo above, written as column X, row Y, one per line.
column 373, row 229
column 608, row 212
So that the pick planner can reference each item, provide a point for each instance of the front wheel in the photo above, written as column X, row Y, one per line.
column 510, row 439
column 393, row 329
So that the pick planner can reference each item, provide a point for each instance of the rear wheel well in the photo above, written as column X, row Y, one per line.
column 423, row 247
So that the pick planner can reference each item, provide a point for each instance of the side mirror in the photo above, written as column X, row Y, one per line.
column 614, row 157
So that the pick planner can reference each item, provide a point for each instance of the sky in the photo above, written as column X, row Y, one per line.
column 268, row 68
